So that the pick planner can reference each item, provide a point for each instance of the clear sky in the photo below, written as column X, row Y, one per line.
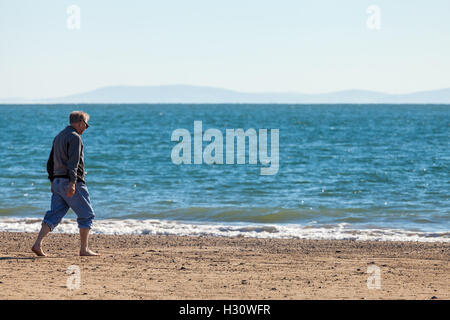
column 246, row 45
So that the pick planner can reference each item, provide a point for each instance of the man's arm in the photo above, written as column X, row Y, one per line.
column 50, row 165
column 74, row 154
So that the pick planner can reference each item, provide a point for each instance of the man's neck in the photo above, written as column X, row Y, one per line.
column 74, row 128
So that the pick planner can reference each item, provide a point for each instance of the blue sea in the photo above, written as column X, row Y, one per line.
column 361, row 172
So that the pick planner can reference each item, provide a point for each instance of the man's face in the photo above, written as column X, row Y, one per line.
column 81, row 127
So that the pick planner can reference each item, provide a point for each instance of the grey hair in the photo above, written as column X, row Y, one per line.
column 77, row 116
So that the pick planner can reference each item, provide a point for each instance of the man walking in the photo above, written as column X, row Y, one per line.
column 65, row 169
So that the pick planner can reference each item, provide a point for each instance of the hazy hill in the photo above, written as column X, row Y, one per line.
column 201, row 94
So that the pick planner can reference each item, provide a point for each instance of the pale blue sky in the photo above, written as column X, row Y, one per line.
column 258, row 45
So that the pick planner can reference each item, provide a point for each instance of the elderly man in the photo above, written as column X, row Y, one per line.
column 65, row 168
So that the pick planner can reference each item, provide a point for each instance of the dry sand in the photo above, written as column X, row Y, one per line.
column 171, row 267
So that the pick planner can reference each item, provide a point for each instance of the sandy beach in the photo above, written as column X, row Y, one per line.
column 172, row 267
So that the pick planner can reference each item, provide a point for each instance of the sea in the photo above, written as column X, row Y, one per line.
column 345, row 171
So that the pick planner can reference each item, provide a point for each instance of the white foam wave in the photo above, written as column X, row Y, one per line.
column 163, row 227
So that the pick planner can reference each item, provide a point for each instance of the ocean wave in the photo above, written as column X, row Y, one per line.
column 340, row 231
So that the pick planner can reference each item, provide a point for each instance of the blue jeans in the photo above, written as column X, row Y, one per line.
column 79, row 202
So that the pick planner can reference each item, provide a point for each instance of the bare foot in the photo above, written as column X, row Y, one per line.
column 88, row 253
column 38, row 251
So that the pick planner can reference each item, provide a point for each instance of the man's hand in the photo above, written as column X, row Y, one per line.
column 71, row 189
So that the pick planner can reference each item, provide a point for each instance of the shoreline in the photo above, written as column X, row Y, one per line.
column 132, row 226
column 208, row 267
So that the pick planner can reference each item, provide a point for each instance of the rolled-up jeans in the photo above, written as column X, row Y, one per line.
column 79, row 203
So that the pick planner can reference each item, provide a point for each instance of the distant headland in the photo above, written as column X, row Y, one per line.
column 205, row 94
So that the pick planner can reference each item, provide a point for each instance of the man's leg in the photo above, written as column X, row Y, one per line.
column 58, row 210
column 37, row 247
column 84, row 245
column 81, row 205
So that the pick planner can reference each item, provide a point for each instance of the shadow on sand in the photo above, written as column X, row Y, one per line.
column 20, row 258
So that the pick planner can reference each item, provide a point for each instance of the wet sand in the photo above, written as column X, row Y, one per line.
column 171, row 267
